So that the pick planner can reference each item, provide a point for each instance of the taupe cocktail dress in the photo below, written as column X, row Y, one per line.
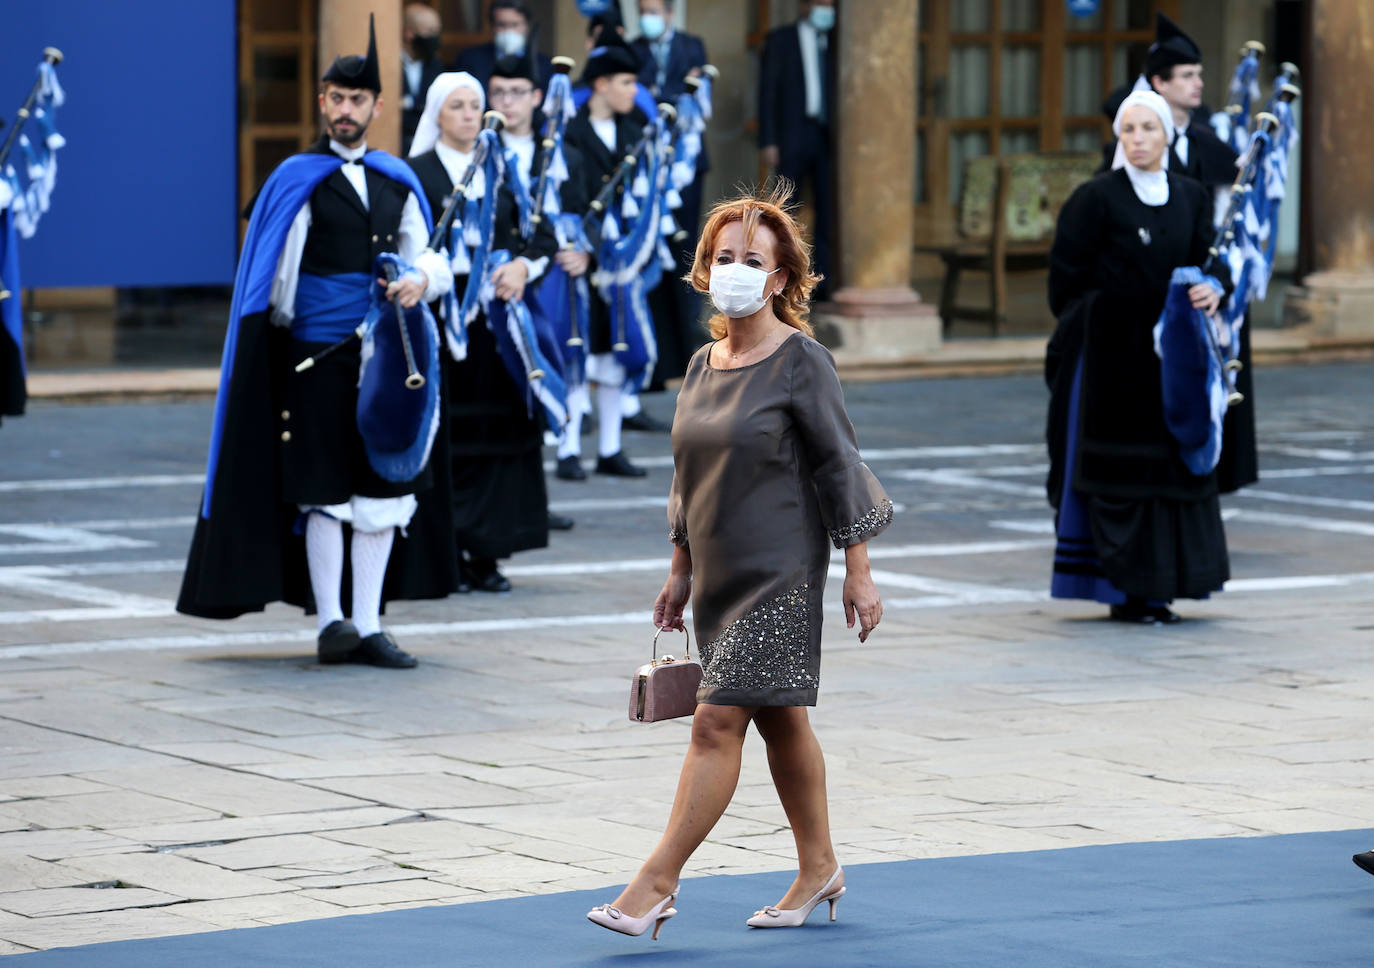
column 767, row 475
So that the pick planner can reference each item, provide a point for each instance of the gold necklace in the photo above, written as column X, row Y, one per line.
column 759, row 342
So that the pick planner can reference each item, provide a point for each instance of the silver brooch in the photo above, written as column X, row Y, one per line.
column 1144, row 236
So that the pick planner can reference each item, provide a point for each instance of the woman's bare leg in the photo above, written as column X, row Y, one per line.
column 710, row 773
column 798, row 768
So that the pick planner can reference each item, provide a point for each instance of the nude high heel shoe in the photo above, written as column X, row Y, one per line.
column 771, row 917
column 613, row 919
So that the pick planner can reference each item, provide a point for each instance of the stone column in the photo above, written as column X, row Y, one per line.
column 343, row 30
column 1337, row 296
column 875, row 315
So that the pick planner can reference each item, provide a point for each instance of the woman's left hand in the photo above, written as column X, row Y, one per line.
column 509, row 280
column 861, row 600
column 1204, row 297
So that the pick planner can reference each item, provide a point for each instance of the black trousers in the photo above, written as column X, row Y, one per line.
column 808, row 164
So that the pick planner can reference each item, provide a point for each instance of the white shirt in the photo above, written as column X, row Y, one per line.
column 523, row 146
column 412, row 243
column 813, row 48
column 415, row 73
column 456, row 163
column 1181, row 145
column 605, row 130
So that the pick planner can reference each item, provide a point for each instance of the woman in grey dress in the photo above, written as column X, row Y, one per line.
column 767, row 475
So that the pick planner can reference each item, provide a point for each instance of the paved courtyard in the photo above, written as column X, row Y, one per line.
column 163, row 775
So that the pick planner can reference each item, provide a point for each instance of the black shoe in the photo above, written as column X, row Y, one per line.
column 482, row 575
column 1165, row 615
column 618, row 465
column 560, row 522
column 642, row 421
column 336, row 643
column 1365, row 861
column 570, row 469
column 380, row 649
column 1134, row 612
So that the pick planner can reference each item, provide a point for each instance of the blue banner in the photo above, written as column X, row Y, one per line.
column 149, row 193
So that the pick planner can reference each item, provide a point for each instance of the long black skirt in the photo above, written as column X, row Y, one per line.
column 1161, row 549
column 500, row 503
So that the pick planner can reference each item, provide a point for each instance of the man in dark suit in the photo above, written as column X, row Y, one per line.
column 796, row 98
column 420, row 65
column 512, row 28
column 668, row 57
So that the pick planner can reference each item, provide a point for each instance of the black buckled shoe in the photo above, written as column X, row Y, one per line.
column 570, row 469
column 380, row 649
column 1365, row 861
column 618, row 465
column 336, row 643
column 560, row 522
column 642, row 421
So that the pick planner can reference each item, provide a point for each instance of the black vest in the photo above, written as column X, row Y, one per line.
column 346, row 237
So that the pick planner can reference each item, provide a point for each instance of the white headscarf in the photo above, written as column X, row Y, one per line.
column 1151, row 187
column 427, row 131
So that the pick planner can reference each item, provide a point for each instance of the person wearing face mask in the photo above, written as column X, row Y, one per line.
column 669, row 57
column 1136, row 529
column 511, row 24
column 767, row 476
column 420, row 64
column 797, row 75
column 500, row 503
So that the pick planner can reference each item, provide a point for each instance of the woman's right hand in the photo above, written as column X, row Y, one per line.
column 672, row 602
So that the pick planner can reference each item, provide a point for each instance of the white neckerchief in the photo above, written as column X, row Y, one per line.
column 354, row 173
column 523, row 146
column 456, row 163
column 605, row 130
column 1151, row 187
column 1181, row 145
column 810, row 56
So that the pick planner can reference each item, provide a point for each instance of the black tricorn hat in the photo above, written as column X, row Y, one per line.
column 611, row 55
column 1172, row 46
column 521, row 66
column 358, row 73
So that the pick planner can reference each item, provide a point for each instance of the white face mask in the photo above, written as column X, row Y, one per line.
column 509, row 42
column 738, row 289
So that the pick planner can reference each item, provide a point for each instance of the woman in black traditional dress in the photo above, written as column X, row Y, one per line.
column 1135, row 528
column 500, row 505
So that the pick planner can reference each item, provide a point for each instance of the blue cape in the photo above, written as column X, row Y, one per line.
column 276, row 207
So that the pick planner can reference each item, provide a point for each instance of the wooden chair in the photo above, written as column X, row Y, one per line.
column 1007, row 211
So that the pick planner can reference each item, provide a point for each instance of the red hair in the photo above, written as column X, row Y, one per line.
column 769, row 208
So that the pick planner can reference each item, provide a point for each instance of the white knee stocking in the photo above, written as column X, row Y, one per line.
column 324, row 555
column 370, row 552
column 607, row 420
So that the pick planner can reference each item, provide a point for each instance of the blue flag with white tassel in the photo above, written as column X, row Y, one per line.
column 25, row 195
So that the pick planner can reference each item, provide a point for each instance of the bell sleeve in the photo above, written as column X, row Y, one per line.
column 677, row 515
column 854, row 507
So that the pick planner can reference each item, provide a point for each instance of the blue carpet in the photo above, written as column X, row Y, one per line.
column 1269, row 901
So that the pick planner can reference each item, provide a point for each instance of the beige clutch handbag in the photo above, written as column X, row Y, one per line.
column 666, row 688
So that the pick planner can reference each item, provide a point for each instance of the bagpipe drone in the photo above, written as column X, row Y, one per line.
column 23, row 201
column 1199, row 354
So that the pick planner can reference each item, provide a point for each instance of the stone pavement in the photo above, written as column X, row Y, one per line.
column 162, row 775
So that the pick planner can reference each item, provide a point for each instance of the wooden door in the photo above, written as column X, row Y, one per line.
column 277, row 86
column 1006, row 76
